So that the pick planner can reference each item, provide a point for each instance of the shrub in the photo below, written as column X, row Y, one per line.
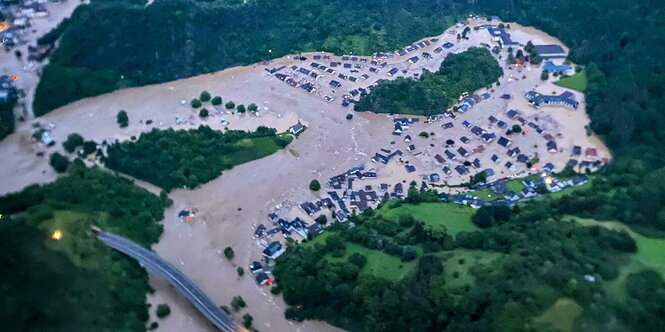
column 241, row 108
column 424, row 134
column 203, row 113
column 196, row 103
column 217, row 100
column 322, row 219
column 230, row 105
column 73, row 141
column 276, row 290
column 247, row 320
column 205, row 96
column 59, row 162
column 89, row 147
column 349, row 116
column 163, row 310
column 357, row 259
column 252, row 107
column 314, row 185
column 228, row 252
column 122, row 118
column 544, row 75
column 241, row 271
column 237, row 303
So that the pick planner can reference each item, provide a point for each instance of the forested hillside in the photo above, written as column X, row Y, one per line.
column 75, row 283
column 468, row 71
column 518, row 274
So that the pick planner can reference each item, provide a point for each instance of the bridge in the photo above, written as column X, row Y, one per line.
column 156, row 265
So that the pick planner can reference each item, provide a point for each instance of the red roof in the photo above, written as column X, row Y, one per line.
column 591, row 152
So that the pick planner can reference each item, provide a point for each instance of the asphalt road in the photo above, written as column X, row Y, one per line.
column 155, row 264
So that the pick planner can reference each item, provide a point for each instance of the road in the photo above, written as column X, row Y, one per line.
column 155, row 264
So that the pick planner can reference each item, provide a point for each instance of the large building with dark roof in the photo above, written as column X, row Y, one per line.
column 537, row 99
column 550, row 51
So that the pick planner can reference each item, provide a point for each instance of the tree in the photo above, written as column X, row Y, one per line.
column 241, row 108
column 483, row 218
column 247, row 320
column 230, row 105
column 423, row 134
column 544, row 75
column 195, row 103
column 205, row 96
column 314, row 185
column 59, row 162
column 228, row 252
column 122, row 118
column 216, row 100
column 349, row 116
column 203, row 113
column 516, row 129
column 73, row 141
column 88, row 147
column 238, row 303
column 252, row 107
column 322, row 219
column 163, row 310
column 480, row 177
column 357, row 259
column 241, row 271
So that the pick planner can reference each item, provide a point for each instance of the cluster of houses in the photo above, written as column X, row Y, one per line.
column 533, row 187
column 18, row 16
column 8, row 90
column 402, row 124
column 499, row 34
column 466, row 102
column 537, row 100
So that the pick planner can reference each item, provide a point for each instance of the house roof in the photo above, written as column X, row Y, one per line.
column 548, row 50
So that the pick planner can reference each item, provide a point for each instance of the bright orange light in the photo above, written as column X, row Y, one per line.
column 526, row 131
column 4, row 26
column 57, row 235
column 14, row 78
column 188, row 218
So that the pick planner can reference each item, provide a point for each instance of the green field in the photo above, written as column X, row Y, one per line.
column 455, row 217
column 461, row 262
column 379, row 264
column 561, row 315
column 568, row 191
column 576, row 82
column 486, row 194
column 255, row 148
column 515, row 185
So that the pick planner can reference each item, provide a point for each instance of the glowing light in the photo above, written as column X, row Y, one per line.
column 270, row 51
column 14, row 78
column 548, row 180
column 4, row 26
column 57, row 235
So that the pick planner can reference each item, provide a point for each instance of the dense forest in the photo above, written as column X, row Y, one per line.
column 468, row 71
column 110, row 45
column 516, row 274
column 75, row 283
column 187, row 158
